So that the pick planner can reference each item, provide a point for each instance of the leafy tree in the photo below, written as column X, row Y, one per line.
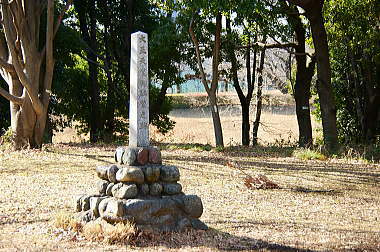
column 314, row 13
column 353, row 29
column 27, row 64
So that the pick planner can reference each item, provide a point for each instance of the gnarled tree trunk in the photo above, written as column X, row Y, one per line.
column 27, row 68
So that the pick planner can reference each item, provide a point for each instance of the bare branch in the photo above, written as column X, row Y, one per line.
column 49, row 65
column 198, row 54
column 60, row 17
column 6, row 66
column 270, row 46
column 15, row 99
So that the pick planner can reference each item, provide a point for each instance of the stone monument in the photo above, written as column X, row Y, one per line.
column 139, row 188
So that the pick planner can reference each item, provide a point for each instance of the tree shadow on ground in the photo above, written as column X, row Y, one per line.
column 211, row 239
column 342, row 173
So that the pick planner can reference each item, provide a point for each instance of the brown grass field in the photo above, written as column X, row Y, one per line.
column 330, row 205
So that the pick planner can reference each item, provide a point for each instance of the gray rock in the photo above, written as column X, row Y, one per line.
column 102, row 187
column 111, row 173
column 101, row 171
column 103, row 205
column 172, row 188
column 155, row 189
column 109, row 189
column 124, row 191
column 78, row 201
column 130, row 174
column 130, row 156
column 169, row 173
column 85, row 202
column 119, row 154
column 94, row 205
column 113, row 207
column 143, row 189
column 192, row 205
column 151, row 173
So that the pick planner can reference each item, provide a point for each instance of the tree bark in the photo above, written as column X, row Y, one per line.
column 302, row 85
column 27, row 69
column 211, row 90
column 244, row 100
column 324, row 86
column 259, row 104
column 314, row 14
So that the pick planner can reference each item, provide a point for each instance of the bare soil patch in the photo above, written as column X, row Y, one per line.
column 336, row 206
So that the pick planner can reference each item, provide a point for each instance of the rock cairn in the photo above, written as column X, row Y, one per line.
column 140, row 189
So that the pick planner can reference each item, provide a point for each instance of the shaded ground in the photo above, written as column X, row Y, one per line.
column 338, row 207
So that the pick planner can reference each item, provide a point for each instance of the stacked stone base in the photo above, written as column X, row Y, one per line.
column 143, row 191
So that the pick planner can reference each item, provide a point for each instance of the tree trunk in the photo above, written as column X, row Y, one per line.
column 324, row 86
column 211, row 90
column 304, row 75
column 216, row 120
column 259, row 99
column 245, row 124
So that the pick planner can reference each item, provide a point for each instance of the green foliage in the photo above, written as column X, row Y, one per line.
column 352, row 26
column 309, row 154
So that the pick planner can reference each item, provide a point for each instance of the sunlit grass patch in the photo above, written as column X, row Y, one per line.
column 309, row 154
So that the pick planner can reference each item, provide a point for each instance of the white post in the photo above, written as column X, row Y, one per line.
column 139, row 92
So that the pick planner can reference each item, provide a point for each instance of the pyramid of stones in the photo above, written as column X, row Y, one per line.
column 140, row 189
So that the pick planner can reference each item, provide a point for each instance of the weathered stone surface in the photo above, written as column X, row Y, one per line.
column 84, row 202
column 142, row 156
column 102, row 186
column 103, row 205
column 124, row 191
column 154, row 156
column 155, row 189
column 111, row 173
column 130, row 155
column 119, row 154
column 94, row 205
column 172, row 188
column 151, row 173
column 192, row 205
column 169, row 173
column 112, row 207
column 139, row 92
column 131, row 174
column 101, row 171
column 143, row 189
column 78, row 201
column 109, row 189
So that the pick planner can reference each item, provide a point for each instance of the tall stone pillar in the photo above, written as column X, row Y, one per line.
column 139, row 92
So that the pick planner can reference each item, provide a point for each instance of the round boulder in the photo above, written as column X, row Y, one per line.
column 142, row 156
column 102, row 186
column 151, row 173
column 101, row 171
column 172, row 188
column 119, row 154
column 169, row 173
column 192, row 205
column 155, row 189
column 111, row 173
column 155, row 156
column 124, row 191
column 129, row 156
column 130, row 174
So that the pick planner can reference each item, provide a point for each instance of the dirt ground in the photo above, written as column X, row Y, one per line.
column 330, row 205
column 323, row 205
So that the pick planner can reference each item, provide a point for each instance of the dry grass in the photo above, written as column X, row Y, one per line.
column 324, row 205
column 330, row 204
